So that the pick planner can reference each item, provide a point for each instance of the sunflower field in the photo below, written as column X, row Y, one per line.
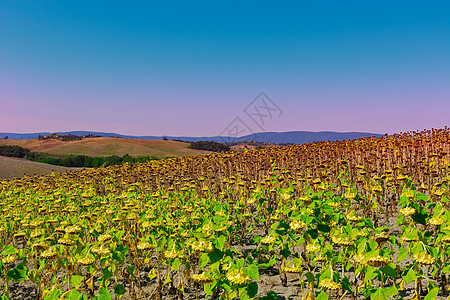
column 360, row 219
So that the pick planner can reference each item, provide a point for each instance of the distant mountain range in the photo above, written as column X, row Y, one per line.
column 289, row 137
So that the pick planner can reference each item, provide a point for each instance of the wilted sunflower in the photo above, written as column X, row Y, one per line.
column 172, row 254
column 407, row 211
column 424, row 258
column 436, row 221
column 39, row 246
column 409, row 240
column 381, row 237
column 202, row 278
column 298, row 224
column 359, row 259
column 37, row 233
column 350, row 195
column 100, row 250
column 73, row 229
column 291, row 268
column 49, row 253
column 202, row 246
column 344, row 242
column 9, row 259
column 312, row 248
column 268, row 240
column 351, row 216
column 378, row 261
column 85, row 261
column 20, row 234
column 329, row 284
column 363, row 233
column 446, row 239
column 144, row 246
column 238, row 277
column 66, row 242
column 104, row 237
column 308, row 296
column 320, row 259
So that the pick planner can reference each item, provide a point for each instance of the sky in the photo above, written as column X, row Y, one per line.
column 197, row 68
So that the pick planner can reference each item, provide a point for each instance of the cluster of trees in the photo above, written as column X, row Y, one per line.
column 14, row 151
column 209, row 146
column 71, row 160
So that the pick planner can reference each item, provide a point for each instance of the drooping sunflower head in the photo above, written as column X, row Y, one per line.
column 49, row 253
column 408, row 211
column 268, row 240
column 290, row 267
column 436, row 221
column 85, row 261
column 329, row 284
column 202, row 278
column 238, row 277
column 424, row 258
column 9, row 259
column 378, row 261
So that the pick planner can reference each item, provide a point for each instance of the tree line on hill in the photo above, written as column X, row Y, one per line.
column 209, row 146
column 71, row 160
column 66, row 138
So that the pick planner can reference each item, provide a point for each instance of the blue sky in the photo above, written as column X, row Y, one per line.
column 190, row 68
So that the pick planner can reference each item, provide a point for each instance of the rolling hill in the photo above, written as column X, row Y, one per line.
column 104, row 146
column 11, row 167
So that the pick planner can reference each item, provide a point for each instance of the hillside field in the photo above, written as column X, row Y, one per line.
column 11, row 167
column 104, row 146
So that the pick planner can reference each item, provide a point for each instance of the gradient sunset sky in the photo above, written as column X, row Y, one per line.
column 191, row 67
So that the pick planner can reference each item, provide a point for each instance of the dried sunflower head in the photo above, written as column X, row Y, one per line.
column 49, row 253
column 312, row 248
column 20, row 234
column 36, row 234
column 144, row 246
column 381, row 237
column 202, row 246
column 66, row 242
column 104, row 237
column 298, row 224
column 407, row 211
column 172, row 254
column 436, row 221
column 202, row 278
column 378, row 261
column 8, row 259
column 409, row 240
column 291, row 268
column 308, row 296
column 320, row 259
column 39, row 246
column 85, row 261
column 73, row 229
column 424, row 258
column 100, row 250
column 446, row 239
column 351, row 216
column 268, row 240
column 238, row 277
column 359, row 259
column 329, row 284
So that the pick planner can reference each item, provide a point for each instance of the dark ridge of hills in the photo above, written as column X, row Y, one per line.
column 289, row 137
